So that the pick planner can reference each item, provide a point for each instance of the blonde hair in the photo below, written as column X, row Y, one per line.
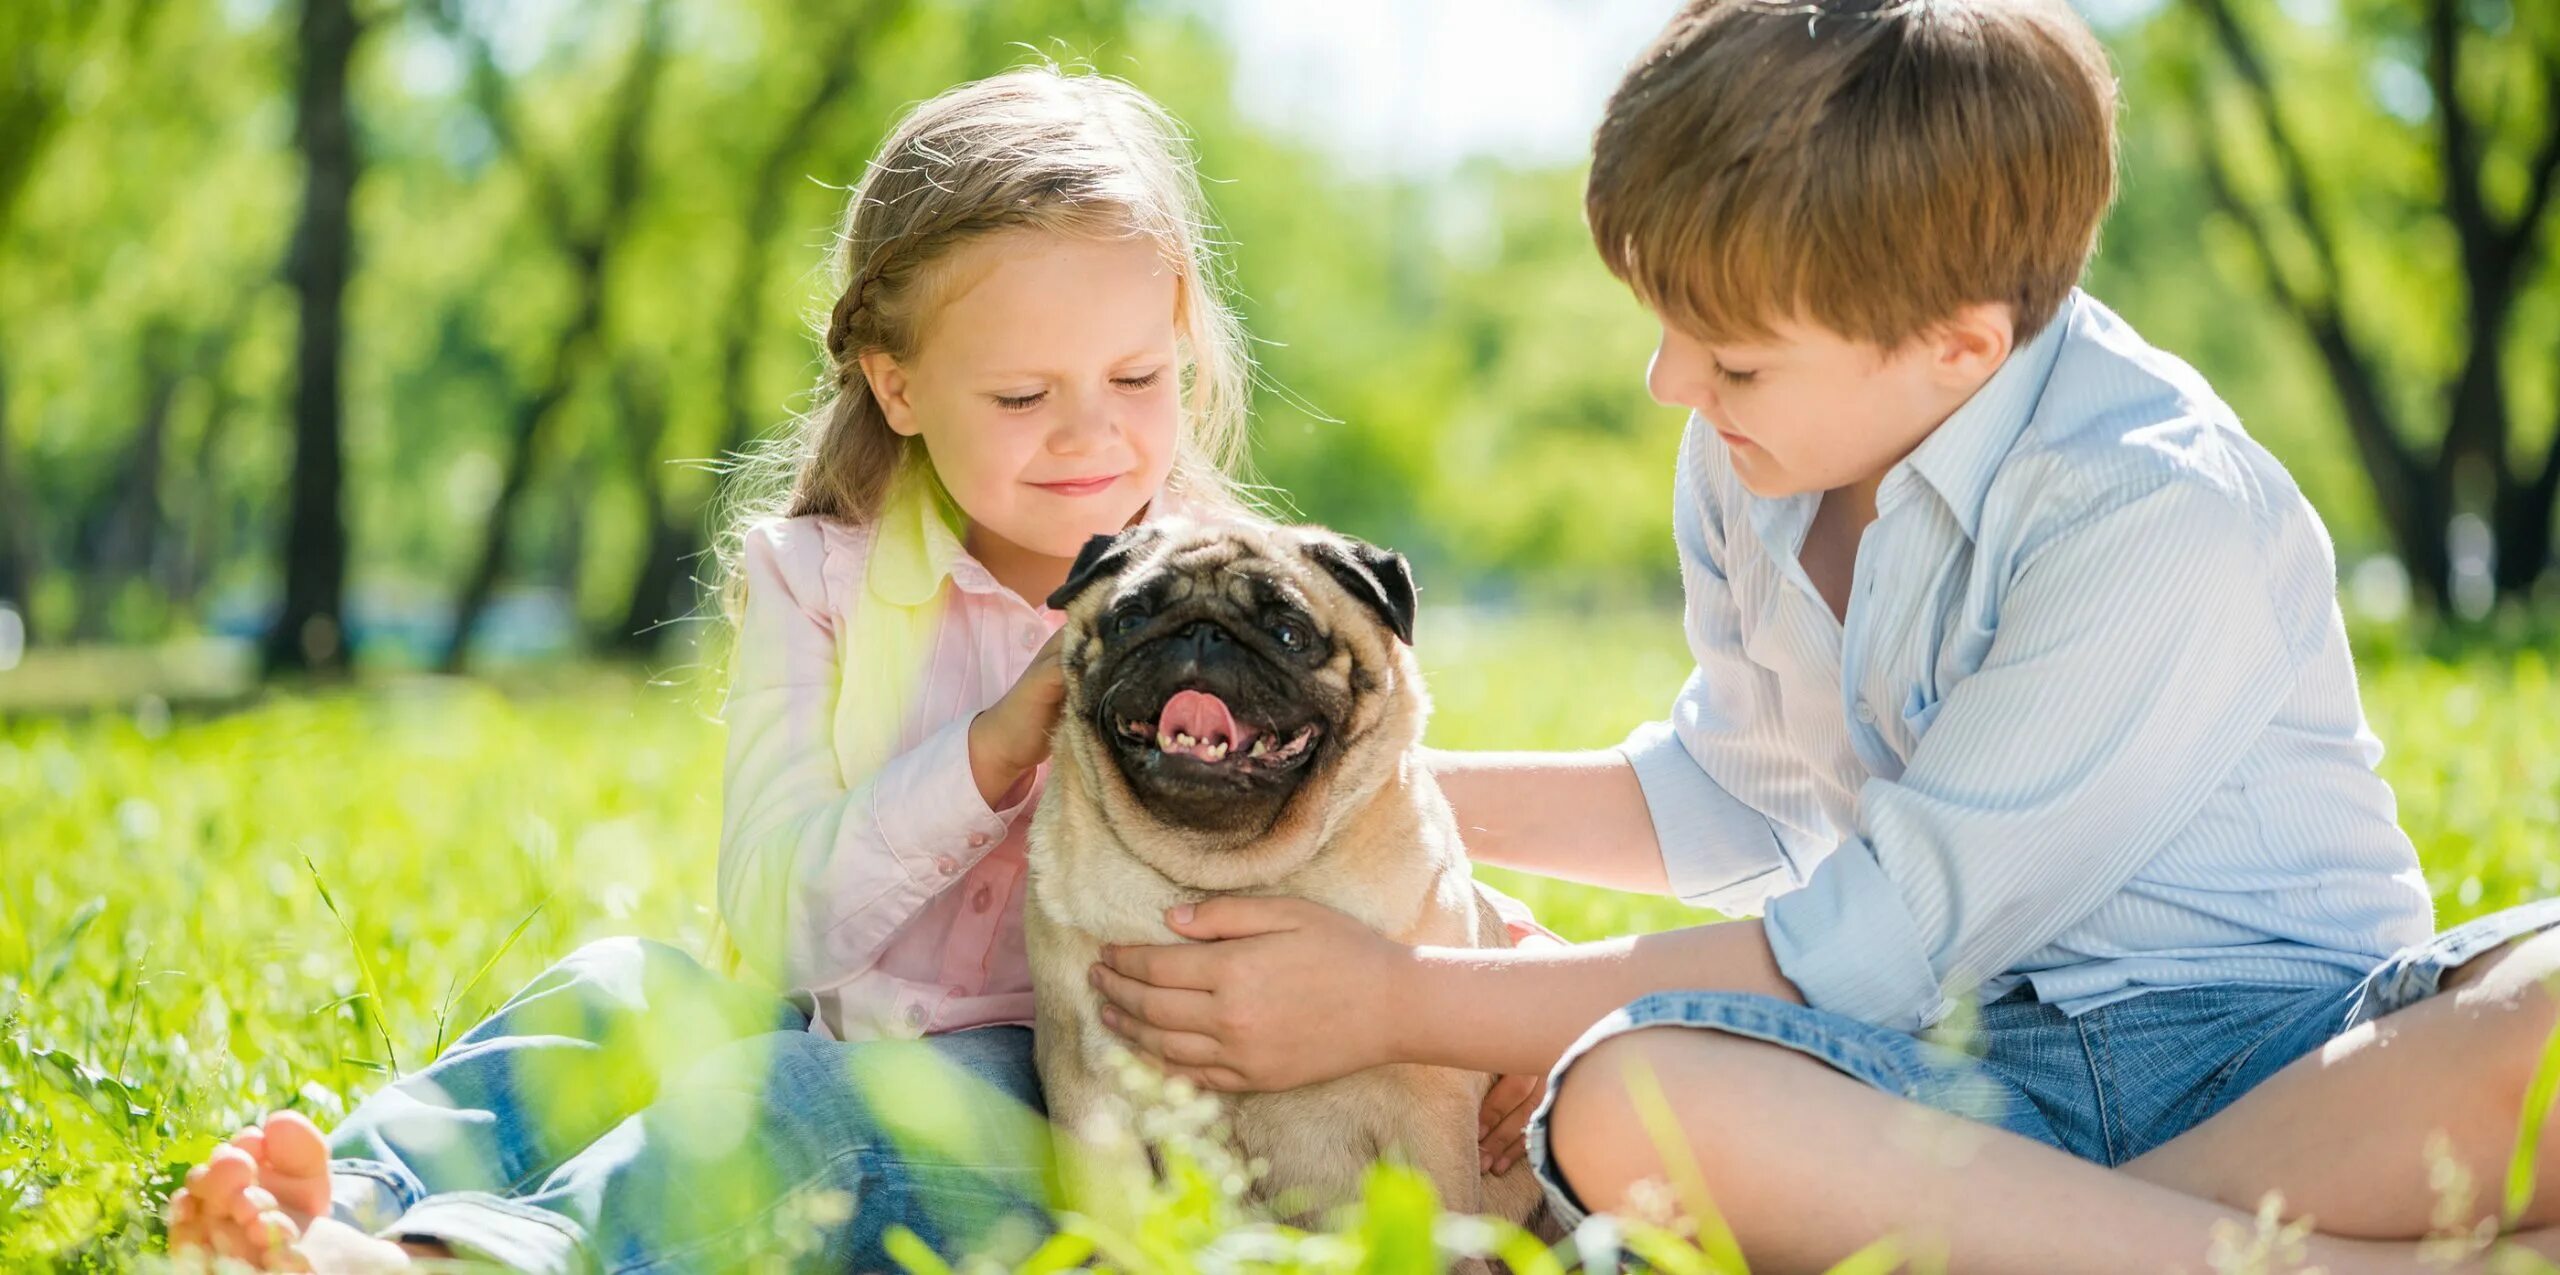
column 1034, row 149
column 1870, row 166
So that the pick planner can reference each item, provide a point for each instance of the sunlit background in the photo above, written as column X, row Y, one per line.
column 581, row 247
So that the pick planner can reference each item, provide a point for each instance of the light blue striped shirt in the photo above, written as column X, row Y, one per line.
column 2091, row 723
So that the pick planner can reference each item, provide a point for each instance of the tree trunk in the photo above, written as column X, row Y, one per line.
column 590, row 250
column 661, row 590
column 658, row 596
column 131, row 526
column 310, row 632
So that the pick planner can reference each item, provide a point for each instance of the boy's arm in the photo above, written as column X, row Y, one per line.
column 1711, row 805
column 1298, row 993
column 1571, row 816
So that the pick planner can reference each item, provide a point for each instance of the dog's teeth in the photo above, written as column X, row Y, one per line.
column 1183, row 741
column 1260, row 747
column 1217, row 751
column 1164, row 742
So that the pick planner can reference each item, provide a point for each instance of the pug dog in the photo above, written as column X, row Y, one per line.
column 1242, row 715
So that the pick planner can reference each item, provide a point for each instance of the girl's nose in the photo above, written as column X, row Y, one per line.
column 1086, row 427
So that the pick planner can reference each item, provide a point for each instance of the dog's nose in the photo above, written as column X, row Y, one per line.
column 1206, row 638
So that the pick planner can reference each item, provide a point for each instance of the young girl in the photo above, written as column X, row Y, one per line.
column 1030, row 348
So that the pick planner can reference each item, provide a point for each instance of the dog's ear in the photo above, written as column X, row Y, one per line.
column 1101, row 558
column 1380, row 578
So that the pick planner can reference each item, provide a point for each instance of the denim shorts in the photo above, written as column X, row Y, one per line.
column 2106, row 1085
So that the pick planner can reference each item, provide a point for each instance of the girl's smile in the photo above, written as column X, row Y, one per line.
column 1072, row 487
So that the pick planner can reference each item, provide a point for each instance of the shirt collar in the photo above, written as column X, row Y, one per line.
column 916, row 545
column 1961, row 456
column 919, row 541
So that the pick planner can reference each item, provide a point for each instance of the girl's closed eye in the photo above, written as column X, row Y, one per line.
column 1732, row 376
column 1025, row 402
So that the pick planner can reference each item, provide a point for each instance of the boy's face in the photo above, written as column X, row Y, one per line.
column 1807, row 410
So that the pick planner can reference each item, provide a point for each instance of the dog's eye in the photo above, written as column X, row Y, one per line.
column 1127, row 622
column 1290, row 634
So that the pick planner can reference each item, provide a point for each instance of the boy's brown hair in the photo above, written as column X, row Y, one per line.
column 1868, row 166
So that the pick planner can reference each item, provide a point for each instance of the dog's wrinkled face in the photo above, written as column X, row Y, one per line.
column 1226, row 668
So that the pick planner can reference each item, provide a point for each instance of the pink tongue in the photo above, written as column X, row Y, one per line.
column 1202, row 716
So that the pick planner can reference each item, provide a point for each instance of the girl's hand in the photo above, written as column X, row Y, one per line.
column 1280, row 993
column 1010, row 738
column 1500, row 1122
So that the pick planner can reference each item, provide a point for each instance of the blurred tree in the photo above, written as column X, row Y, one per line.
column 309, row 632
column 45, row 43
column 661, row 590
column 2346, row 169
column 588, row 241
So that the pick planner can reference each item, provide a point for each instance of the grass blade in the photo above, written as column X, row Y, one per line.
column 454, row 998
column 364, row 966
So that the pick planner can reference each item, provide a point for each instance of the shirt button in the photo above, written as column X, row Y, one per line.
column 977, row 838
column 1866, row 715
column 984, row 898
column 946, row 865
column 915, row 1017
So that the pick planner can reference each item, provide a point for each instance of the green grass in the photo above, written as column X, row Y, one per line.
column 170, row 965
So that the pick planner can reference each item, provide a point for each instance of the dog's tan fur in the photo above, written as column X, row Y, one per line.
column 1368, row 834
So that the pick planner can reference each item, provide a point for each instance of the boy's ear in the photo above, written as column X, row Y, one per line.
column 1973, row 343
column 1101, row 558
column 1379, row 578
column 888, row 383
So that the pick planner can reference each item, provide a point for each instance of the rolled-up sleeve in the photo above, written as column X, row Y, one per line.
column 2139, row 652
column 1719, row 850
column 815, row 877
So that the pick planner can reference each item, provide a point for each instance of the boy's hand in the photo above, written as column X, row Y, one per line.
column 1279, row 993
column 1010, row 738
column 1502, row 1120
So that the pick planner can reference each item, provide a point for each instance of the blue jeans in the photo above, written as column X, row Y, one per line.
column 630, row 1110
column 2105, row 1086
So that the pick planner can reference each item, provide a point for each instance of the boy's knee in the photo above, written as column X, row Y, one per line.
column 1597, row 1135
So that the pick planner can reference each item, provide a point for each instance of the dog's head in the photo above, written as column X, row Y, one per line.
column 1229, row 684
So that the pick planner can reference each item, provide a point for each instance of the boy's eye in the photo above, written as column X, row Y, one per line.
column 1018, row 403
column 1732, row 377
column 1138, row 382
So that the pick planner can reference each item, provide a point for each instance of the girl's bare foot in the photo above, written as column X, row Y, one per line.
column 293, row 1164
column 224, row 1212
column 256, row 1195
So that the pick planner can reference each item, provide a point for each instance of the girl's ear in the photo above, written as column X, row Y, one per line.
column 888, row 383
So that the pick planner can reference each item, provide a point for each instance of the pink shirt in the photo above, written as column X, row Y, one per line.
column 899, row 900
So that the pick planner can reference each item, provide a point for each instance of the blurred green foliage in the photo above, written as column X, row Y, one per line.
column 1446, row 367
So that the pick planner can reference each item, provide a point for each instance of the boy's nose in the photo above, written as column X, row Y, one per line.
column 1673, row 383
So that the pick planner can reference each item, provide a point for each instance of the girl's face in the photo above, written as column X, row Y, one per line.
column 1044, row 387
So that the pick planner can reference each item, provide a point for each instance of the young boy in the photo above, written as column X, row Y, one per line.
column 2021, row 684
